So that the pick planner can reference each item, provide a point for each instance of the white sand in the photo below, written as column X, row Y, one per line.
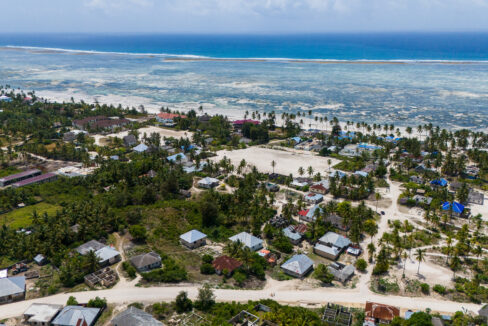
column 148, row 131
column 287, row 162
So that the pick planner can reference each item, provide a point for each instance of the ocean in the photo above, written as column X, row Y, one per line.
column 401, row 78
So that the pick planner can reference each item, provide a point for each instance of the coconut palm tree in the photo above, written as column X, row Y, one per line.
column 301, row 171
column 420, row 257
column 273, row 164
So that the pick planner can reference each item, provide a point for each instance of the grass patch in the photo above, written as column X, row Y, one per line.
column 22, row 217
column 8, row 171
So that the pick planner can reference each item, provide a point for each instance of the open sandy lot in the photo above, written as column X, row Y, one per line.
column 148, row 130
column 286, row 161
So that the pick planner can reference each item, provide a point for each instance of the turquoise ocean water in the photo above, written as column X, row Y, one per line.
column 395, row 78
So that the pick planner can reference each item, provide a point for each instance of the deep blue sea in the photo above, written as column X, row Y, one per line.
column 401, row 78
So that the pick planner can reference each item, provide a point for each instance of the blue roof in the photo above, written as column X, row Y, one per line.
column 174, row 158
column 141, row 148
column 440, row 182
column 361, row 173
column 290, row 234
column 456, row 207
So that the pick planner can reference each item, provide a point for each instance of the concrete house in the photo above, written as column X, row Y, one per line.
column 320, row 187
column 76, row 316
column 130, row 140
column 12, row 289
column 381, row 313
column 309, row 215
column 225, row 263
column 40, row 260
column 208, row 183
column 313, row 198
column 341, row 272
column 331, row 245
column 146, row 262
column 106, row 254
column 292, row 235
column 193, row 239
column 248, row 240
column 39, row 314
column 298, row 266
column 134, row 317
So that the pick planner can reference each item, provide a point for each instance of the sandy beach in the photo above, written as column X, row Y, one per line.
column 287, row 162
column 164, row 133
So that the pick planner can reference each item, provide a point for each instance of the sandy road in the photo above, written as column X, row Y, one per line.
column 319, row 296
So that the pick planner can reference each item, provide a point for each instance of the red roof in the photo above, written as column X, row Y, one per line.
column 319, row 187
column 166, row 115
column 241, row 122
column 303, row 213
column 227, row 263
column 381, row 311
column 301, row 228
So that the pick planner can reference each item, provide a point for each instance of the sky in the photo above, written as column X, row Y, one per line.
column 242, row 16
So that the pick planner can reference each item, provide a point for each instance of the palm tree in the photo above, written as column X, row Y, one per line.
column 420, row 257
column 405, row 256
column 329, row 162
column 310, row 171
column 301, row 171
column 273, row 164
column 377, row 196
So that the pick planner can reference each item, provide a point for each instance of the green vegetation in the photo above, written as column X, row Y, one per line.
column 22, row 217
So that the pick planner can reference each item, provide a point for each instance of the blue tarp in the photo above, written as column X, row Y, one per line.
column 439, row 182
column 456, row 207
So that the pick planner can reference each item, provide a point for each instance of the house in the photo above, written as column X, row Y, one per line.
column 130, row 140
column 337, row 221
column 361, row 174
column 336, row 240
column 177, row 158
column 439, row 182
column 417, row 179
column 141, row 148
column 309, row 215
column 225, row 264
column 328, row 252
column 370, row 168
column 48, row 177
column 100, row 122
column 321, row 187
column 298, row 266
column 40, row 260
column 331, row 245
column 134, row 317
column 76, row 316
column 13, row 178
column 300, row 182
column 239, row 123
column 146, row 262
column 338, row 174
column 248, row 240
column 314, row 198
column 349, row 150
column 106, row 255
column 457, row 208
column 5, row 98
column 193, row 239
column 39, row 314
column 12, row 289
column 381, row 313
column 269, row 256
column 476, row 197
column 168, row 119
column 208, row 183
column 422, row 200
column 341, row 272
column 293, row 236
column 455, row 186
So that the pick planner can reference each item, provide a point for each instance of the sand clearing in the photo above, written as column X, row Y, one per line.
column 147, row 130
column 286, row 161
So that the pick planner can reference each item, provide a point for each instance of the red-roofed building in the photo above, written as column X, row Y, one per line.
column 239, row 123
column 319, row 189
column 226, row 263
column 303, row 213
column 380, row 312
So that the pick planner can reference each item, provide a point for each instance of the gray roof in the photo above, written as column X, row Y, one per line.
column 208, row 181
column 106, row 253
column 12, row 285
column 247, row 239
column 70, row 315
column 291, row 234
column 143, row 260
column 192, row 236
column 141, row 148
column 298, row 264
column 92, row 245
column 483, row 311
column 42, row 313
column 329, row 250
column 39, row 258
column 135, row 317
column 335, row 239
column 342, row 274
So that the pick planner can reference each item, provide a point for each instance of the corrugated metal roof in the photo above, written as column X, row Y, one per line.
column 193, row 236
column 12, row 285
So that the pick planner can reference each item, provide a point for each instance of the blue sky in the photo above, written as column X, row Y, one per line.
column 243, row 16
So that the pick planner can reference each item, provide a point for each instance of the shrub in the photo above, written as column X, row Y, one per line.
column 439, row 289
column 97, row 303
column 129, row 269
column 240, row 277
column 322, row 274
column 207, row 269
column 71, row 301
column 138, row 232
column 207, row 258
column 361, row 264
column 183, row 303
column 425, row 288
